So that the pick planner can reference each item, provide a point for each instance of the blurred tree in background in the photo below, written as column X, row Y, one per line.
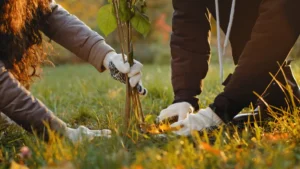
column 151, row 49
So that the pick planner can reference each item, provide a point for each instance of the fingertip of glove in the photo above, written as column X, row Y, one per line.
column 176, row 124
column 106, row 131
column 143, row 92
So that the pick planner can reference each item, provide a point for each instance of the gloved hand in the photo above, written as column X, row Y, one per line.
column 118, row 70
column 181, row 110
column 205, row 118
column 76, row 135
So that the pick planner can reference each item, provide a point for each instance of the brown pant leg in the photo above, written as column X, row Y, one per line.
column 293, row 12
column 246, row 14
column 190, row 41
column 190, row 49
column 271, row 40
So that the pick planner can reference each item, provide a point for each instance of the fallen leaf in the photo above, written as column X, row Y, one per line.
column 157, row 129
column 275, row 137
column 137, row 167
column 63, row 165
column 15, row 165
column 180, row 166
column 210, row 149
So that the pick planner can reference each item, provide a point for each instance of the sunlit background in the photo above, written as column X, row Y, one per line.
column 152, row 49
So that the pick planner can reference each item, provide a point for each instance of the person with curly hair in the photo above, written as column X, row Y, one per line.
column 22, row 52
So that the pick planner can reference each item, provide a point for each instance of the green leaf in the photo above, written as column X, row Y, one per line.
column 124, row 11
column 140, row 23
column 107, row 22
column 150, row 119
column 140, row 5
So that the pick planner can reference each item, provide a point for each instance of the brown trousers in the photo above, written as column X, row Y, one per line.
column 261, row 37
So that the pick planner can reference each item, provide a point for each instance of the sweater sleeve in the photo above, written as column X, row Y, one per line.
column 20, row 106
column 68, row 31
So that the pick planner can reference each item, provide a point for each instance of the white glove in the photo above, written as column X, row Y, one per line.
column 181, row 110
column 205, row 118
column 115, row 64
column 76, row 135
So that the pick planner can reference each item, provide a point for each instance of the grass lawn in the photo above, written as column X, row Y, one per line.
column 81, row 96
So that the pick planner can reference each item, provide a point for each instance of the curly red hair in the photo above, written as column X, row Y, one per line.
column 21, row 42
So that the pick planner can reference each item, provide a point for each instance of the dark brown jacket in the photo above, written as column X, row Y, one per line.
column 255, row 20
column 293, row 12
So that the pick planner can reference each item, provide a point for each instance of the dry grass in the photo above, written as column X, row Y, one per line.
column 79, row 95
